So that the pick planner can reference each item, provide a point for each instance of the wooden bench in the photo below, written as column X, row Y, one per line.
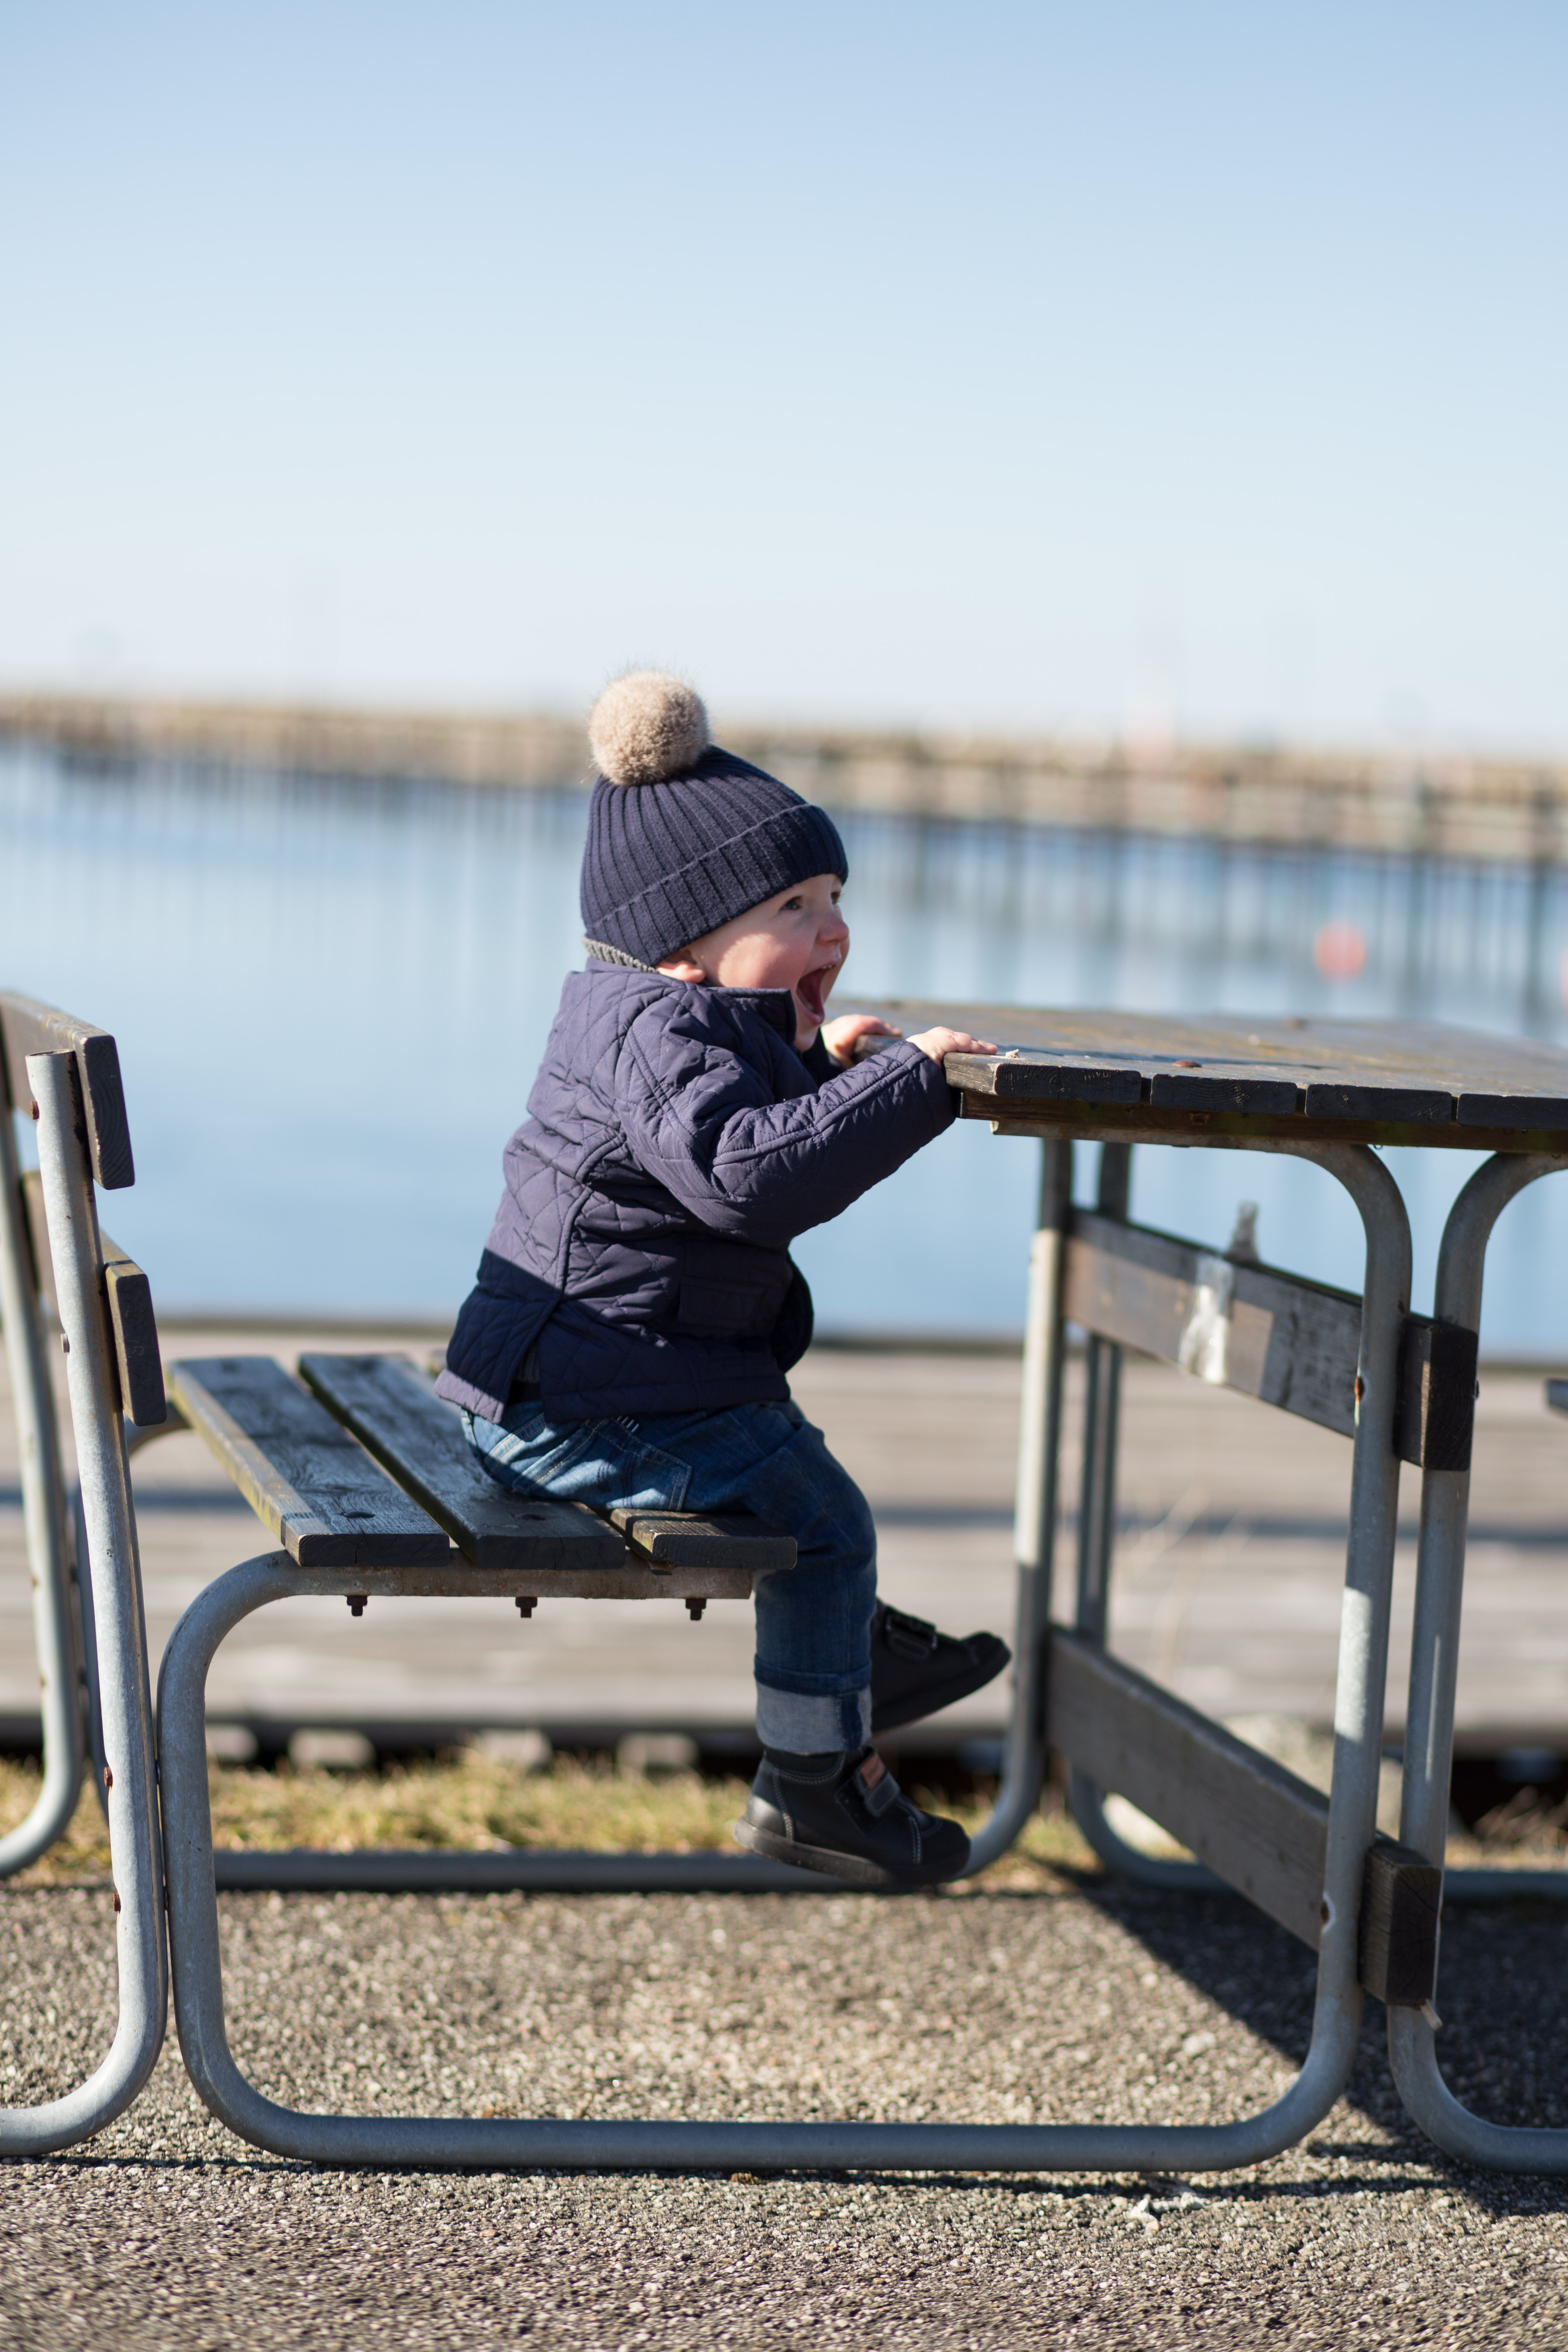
column 312, row 1458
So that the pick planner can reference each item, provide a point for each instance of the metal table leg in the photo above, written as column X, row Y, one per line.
column 465, row 2141
column 72, row 1212
column 1039, row 1449
column 1434, row 1665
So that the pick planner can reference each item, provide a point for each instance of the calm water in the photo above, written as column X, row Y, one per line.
column 330, row 1000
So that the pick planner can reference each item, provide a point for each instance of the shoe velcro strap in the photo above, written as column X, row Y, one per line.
column 908, row 1637
column 878, row 1788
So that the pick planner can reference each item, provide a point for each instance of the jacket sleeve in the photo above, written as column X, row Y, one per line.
column 703, row 1119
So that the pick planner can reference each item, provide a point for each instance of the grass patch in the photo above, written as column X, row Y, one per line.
column 474, row 1801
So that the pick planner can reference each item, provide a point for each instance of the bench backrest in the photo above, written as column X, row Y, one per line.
column 27, row 1027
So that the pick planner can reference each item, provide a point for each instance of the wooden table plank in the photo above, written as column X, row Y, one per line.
column 321, row 1495
column 1419, row 1082
column 394, row 1412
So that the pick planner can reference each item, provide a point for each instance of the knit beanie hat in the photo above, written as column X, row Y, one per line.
column 682, row 836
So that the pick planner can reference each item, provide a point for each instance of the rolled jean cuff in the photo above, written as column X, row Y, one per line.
column 817, row 1726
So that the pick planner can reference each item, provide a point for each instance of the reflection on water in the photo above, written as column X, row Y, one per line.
column 330, row 999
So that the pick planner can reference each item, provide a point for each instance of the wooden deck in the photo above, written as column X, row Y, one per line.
column 1227, row 1582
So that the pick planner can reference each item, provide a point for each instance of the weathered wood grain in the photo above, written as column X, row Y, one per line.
column 1414, row 1082
column 707, row 1538
column 1082, row 1122
column 394, row 1411
column 1435, row 1417
column 1241, row 1092
column 1260, row 1828
column 1408, row 1105
column 1031, row 1077
column 27, row 1027
column 1513, row 1109
column 1290, row 1342
column 135, row 1330
column 302, row 1475
column 1401, row 1908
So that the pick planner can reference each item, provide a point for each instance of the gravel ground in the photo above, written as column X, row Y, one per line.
column 167, row 2232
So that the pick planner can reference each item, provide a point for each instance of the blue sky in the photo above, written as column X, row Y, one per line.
column 1002, row 365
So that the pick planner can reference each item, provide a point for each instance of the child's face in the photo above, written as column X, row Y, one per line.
column 796, row 941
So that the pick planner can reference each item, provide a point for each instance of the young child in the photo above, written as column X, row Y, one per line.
column 637, row 1311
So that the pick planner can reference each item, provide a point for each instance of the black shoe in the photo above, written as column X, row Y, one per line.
column 915, row 1669
column 847, row 1816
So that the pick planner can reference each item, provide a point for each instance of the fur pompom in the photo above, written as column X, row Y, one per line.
column 647, row 726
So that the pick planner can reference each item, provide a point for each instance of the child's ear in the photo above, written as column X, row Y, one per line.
column 682, row 967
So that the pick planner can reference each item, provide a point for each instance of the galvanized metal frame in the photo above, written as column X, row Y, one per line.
column 1096, row 1513
column 1508, row 1173
column 463, row 2141
column 1429, row 1717
column 46, row 1521
column 110, row 1593
column 71, row 1209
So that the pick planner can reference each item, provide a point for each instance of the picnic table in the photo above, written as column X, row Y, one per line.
column 361, row 1483
column 1335, row 1092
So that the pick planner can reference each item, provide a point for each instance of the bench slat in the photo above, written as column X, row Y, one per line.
column 707, row 1539
column 1290, row 1343
column 26, row 1026
column 321, row 1495
column 1275, row 1335
column 1263, row 1830
column 135, row 1328
column 405, row 1425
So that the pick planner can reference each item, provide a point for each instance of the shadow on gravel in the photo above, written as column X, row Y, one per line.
column 1502, row 1995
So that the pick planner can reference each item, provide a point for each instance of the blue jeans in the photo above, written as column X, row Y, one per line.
column 814, row 1620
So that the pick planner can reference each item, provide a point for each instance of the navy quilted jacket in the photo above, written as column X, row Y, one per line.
column 676, row 1144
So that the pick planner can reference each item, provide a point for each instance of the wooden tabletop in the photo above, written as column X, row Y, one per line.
column 1237, row 1075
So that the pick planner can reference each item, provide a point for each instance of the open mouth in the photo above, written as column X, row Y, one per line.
column 811, row 991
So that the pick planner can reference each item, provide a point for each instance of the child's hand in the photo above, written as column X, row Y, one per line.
column 842, row 1037
column 939, row 1042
